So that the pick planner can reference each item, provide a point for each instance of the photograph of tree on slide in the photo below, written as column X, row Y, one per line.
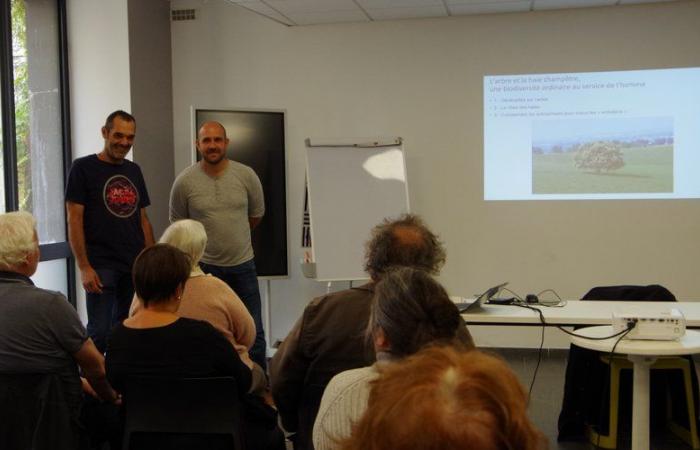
column 625, row 155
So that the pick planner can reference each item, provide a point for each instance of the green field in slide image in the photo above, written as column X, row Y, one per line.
column 646, row 169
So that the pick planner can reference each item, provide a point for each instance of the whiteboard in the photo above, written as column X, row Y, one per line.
column 352, row 185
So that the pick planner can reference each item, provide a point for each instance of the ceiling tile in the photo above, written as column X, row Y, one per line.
column 406, row 13
column 484, row 2
column 631, row 2
column 309, row 12
column 488, row 8
column 261, row 8
column 561, row 4
column 312, row 6
column 311, row 18
column 382, row 4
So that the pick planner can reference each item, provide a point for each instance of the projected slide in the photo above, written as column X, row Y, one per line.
column 597, row 135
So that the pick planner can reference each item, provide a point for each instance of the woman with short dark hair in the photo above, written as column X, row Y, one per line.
column 160, row 273
column 208, row 298
column 157, row 342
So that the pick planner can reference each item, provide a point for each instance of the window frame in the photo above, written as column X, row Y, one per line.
column 56, row 250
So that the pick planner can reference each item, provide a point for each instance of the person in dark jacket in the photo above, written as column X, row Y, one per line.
column 329, row 336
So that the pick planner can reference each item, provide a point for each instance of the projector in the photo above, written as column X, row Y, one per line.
column 663, row 326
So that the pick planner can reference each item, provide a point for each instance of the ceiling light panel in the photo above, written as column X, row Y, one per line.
column 489, row 8
column 383, row 4
column 562, row 4
column 632, row 2
column 406, row 13
column 312, row 18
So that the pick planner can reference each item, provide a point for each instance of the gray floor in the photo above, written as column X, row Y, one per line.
column 547, row 396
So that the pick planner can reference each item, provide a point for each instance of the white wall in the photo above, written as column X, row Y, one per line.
column 98, row 53
column 422, row 80
column 98, row 50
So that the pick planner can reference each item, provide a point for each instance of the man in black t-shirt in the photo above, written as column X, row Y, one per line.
column 106, row 199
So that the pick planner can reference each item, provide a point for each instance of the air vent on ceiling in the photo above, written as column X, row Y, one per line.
column 182, row 14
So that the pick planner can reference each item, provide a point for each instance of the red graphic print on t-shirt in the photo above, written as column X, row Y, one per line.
column 121, row 196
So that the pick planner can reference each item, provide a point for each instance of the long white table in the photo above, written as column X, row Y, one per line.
column 577, row 312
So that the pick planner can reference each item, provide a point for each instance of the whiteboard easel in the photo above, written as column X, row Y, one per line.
column 352, row 185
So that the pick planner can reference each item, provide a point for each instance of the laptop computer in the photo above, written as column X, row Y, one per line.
column 480, row 300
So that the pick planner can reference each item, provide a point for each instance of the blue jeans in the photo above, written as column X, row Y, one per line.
column 109, row 308
column 243, row 279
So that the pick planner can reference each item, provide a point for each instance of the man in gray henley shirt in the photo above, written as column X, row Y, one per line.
column 227, row 198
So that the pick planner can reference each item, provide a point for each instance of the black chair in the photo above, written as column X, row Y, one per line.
column 308, row 410
column 588, row 376
column 34, row 413
column 181, row 413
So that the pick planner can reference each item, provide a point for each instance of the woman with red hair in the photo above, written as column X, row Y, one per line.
column 441, row 398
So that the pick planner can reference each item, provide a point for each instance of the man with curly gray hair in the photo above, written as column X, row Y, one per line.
column 329, row 336
column 406, row 241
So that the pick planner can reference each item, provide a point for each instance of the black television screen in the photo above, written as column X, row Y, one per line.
column 256, row 139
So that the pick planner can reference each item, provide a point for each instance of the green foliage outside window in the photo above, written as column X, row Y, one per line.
column 21, row 87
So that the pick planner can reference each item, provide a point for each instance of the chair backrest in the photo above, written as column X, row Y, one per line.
column 653, row 292
column 205, row 406
column 34, row 413
column 308, row 410
column 586, row 375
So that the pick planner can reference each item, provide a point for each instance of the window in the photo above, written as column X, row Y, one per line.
column 2, row 167
column 35, row 127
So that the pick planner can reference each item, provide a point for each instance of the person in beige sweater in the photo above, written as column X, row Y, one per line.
column 410, row 310
column 208, row 298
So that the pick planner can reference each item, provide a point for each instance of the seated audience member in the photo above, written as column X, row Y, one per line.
column 329, row 336
column 208, row 298
column 157, row 342
column 40, row 333
column 443, row 399
column 410, row 310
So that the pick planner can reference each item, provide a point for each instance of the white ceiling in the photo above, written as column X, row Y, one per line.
column 310, row 12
